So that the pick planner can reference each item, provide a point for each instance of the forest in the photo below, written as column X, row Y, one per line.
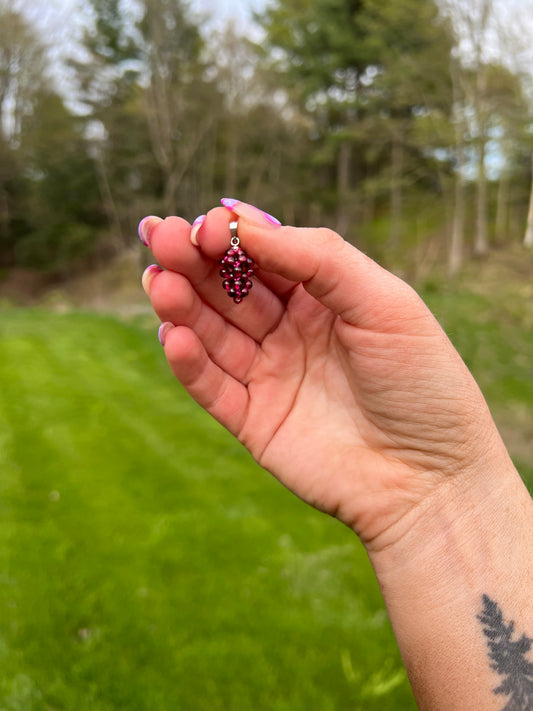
column 406, row 125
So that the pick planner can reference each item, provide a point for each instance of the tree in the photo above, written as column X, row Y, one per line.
column 363, row 72
column 410, row 47
column 459, row 121
column 318, row 59
column 476, row 29
column 21, row 72
column 528, row 239
column 107, row 77
column 45, row 183
column 182, row 106
column 60, row 200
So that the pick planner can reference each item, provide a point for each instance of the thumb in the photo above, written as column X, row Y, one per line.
column 333, row 271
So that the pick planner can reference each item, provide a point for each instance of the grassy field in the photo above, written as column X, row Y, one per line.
column 147, row 563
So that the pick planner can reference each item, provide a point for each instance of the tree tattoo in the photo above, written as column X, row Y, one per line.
column 508, row 657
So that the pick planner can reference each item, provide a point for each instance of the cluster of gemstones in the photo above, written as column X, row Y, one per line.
column 237, row 270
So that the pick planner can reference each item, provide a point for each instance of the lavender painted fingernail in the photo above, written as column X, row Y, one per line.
column 230, row 202
column 146, row 227
column 244, row 209
column 195, row 227
column 163, row 331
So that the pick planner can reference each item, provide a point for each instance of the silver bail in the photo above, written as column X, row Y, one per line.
column 233, row 229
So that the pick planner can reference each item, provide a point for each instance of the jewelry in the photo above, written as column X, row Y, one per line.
column 236, row 268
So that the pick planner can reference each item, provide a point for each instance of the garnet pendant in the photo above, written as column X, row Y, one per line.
column 236, row 269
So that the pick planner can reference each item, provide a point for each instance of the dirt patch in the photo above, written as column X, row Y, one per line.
column 116, row 286
column 25, row 287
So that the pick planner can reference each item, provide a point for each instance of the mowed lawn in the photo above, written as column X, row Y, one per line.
column 147, row 563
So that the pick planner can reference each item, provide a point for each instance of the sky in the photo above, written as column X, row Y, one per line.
column 234, row 9
column 62, row 21
column 64, row 11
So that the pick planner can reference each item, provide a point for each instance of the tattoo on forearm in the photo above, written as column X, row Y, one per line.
column 508, row 657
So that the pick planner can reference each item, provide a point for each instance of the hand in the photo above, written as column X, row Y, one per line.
column 333, row 372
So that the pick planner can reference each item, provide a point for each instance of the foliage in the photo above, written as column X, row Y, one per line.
column 351, row 113
column 360, row 72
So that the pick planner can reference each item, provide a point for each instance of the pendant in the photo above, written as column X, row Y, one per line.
column 236, row 269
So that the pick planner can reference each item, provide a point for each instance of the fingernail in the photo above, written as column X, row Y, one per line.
column 148, row 276
column 146, row 227
column 163, row 330
column 195, row 227
column 229, row 202
column 253, row 213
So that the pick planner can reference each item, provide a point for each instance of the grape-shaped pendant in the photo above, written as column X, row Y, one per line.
column 236, row 269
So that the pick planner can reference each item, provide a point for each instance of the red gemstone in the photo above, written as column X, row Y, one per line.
column 236, row 271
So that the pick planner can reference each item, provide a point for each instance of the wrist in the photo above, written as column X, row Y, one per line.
column 464, row 532
column 473, row 539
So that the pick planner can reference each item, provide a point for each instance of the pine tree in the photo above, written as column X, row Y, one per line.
column 364, row 75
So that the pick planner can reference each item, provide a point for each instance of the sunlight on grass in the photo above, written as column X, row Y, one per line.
column 148, row 563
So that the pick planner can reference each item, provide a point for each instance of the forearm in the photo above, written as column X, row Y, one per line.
column 467, row 558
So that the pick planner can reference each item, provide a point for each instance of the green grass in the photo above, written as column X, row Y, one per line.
column 147, row 563
column 494, row 334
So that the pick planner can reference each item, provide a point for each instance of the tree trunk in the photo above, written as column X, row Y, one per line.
column 6, row 252
column 232, row 160
column 396, row 193
column 481, row 242
column 455, row 255
column 344, row 160
column 501, row 220
column 109, row 203
column 170, row 191
column 528, row 239
column 209, row 161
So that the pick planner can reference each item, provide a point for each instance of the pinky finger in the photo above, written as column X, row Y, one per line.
column 223, row 397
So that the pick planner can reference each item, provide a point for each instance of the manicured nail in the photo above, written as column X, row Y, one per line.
column 146, row 227
column 195, row 227
column 163, row 330
column 148, row 276
column 243, row 209
column 229, row 202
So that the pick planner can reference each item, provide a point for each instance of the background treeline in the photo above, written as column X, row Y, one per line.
column 404, row 124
